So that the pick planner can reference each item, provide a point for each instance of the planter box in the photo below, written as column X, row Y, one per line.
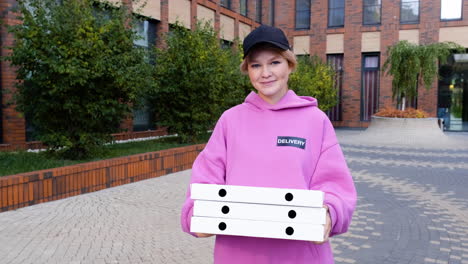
column 35, row 187
column 402, row 126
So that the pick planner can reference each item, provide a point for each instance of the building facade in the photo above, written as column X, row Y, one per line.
column 352, row 35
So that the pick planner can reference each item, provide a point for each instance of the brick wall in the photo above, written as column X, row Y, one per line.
column 31, row 188
column 13, row 124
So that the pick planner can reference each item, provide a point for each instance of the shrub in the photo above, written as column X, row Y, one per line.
column 196, row 80
column 407, row 113
column 79, row 71
column 315, row 78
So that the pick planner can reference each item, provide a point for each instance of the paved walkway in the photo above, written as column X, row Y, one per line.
column 412, row 208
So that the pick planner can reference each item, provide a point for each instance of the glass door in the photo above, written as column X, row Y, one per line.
column 453, row 93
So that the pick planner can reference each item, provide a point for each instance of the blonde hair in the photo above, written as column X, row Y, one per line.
column 288, row 55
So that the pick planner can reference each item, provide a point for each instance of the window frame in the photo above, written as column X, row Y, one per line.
column 328, row 17
column 419, row 13
column 363, row 15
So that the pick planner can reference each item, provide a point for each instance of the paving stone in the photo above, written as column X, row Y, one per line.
column 412, row 208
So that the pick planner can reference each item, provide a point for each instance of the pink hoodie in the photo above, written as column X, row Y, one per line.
column 262, row 145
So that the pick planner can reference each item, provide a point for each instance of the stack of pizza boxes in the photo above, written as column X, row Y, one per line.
column 258, row 212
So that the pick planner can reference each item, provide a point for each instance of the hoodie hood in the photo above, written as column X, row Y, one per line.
column 289, row 100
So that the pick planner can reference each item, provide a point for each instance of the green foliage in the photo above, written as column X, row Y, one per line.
column 408, row 63
column 315, row 78
column 79, row 71
column 196, row 80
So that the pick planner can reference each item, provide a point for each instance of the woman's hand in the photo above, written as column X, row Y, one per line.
column 327, row 228
column 203, row 235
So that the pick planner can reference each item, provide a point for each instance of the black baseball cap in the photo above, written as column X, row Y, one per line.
column 265, row 34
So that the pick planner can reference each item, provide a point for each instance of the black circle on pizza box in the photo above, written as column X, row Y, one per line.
column 289, row 230
column 289, row 197
column 222, row 226
column 292, row 214
column 222, row 192
column 225, row 209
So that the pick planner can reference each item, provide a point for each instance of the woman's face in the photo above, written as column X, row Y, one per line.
column 269, row 73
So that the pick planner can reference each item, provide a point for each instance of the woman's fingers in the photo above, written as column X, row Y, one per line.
column 327, row 228
column 203, row 235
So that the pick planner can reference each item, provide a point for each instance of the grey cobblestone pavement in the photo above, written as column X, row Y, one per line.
column 412, row 208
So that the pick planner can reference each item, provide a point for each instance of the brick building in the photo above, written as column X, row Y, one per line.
column 352, row 35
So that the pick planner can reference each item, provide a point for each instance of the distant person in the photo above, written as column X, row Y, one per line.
column 247, row 148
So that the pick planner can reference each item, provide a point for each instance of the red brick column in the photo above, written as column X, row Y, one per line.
column 351, row 96
column 429, row 33
column 388, row 36
column 13, row 124
column 163, row 26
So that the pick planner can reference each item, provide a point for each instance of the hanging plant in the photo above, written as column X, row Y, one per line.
column 409, row 63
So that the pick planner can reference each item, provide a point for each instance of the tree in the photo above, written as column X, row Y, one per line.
column 196, row 80
column 409, row 63
column 78, row 71
column 315, row 78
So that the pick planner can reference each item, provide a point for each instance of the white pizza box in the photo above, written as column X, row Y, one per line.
column 261, row 195
column 262, row 212
column 253, row 228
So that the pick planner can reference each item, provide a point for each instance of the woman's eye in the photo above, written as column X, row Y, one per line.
column 275, row 62
column 255, row 65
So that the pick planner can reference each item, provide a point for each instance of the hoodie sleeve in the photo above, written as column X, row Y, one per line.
column 209, row 167
column 333, row 177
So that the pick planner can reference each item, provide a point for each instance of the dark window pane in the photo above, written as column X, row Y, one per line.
column 336, row 3
column 409, row 12
column 372, row 14
column 370, row 87
column 302, row 14
column 243, row 7
column 303, row 19
column 336, row 17
column 226, row 3
column 336, row 61
column 302, row 4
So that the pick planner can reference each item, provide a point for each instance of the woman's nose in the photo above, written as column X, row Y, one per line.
column 266, row 72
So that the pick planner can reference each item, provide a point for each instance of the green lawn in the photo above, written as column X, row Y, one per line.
column 18, row 162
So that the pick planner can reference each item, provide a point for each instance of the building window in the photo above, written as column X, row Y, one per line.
column 302, row 14
column 336, row 62
column 258, row 15
column 370, row 86
column 272, row 13
column 226, row 3
column 146, row 31
column 336, row 13
column 243, row 7
column 451, row 9
column 409, row 12
column 372, row 12
column 143, row 117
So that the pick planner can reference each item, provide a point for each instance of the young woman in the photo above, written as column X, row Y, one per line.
column 246, row 149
